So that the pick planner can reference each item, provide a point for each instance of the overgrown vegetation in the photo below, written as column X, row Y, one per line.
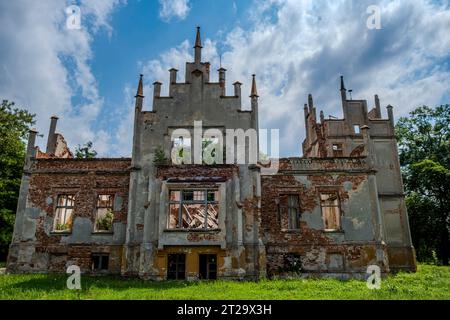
column 14, row 126
column 430, row 282
column 86, row 151
column 106, row 223
column 160, row 158
column 424, row 146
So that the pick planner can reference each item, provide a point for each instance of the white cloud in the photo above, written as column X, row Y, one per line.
column 300, row 47
column 46, row 65
column 170, row 9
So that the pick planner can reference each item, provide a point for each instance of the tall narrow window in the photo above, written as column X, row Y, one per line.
column 294, row 212
column 64, row 213
column 289, row 211
column 331, row 211
column 208, row 266
column 104, row 215
column 182, row 148
column 176, row 267
column 193, row 209
column 357, row 129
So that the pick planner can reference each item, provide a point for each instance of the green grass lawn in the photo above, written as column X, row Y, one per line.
column 430, row 282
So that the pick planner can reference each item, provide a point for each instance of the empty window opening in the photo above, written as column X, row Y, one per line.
column 182, row 147
column 104, row 213
column 337, row 150
column 193, row 209
column 100, row 261
column 64, row 213
column 331, row 211
column 290, row 211
column 208, row 266
column 176, row 267
column 357, row 129
column 211, row 151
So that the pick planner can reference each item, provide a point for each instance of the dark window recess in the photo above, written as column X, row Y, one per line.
column 337, row 150
column 208, row 266
column 100, row 261
column 289, row 211
column 176, row 266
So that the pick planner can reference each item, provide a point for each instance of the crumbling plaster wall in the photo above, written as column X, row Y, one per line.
column 36, row 248
column 348, row 251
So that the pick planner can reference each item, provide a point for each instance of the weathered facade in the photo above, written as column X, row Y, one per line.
column 334, row 211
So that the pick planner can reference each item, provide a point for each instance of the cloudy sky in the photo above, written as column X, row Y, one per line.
column 88, row 76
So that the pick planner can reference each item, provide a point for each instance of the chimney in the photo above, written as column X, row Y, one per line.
column 237, row 89
column 157, row 89
column 310, row 102
column 377, row 106
column 51, row 140
column 222, row 80
column 173, row 75
column 32, row 133
column 390, row 112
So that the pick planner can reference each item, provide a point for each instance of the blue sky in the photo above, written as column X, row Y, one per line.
column 88, row 77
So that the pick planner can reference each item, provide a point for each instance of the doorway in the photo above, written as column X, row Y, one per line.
column 208, row 266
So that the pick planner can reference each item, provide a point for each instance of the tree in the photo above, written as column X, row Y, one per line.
column 424, row 146
column 86, row 151
column 14, row 126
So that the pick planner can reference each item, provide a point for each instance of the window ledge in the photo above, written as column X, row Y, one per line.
column 193, row 230
column 291, row 230
column 103, row 232
column 334, row 231
column 60, row 233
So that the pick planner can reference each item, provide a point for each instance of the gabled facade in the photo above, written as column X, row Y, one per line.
column 335, row 211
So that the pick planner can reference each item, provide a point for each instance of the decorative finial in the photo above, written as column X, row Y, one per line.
column 198, row 41
column 342, row 83
column 254, row 92
column 140, row 90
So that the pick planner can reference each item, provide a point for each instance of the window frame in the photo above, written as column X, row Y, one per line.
column 338, row 206
column 98, row 195
column 65, row 207
column 181, row 202
column 101, row 256
column 177, row 272
column 211, row 273
column 287, row 208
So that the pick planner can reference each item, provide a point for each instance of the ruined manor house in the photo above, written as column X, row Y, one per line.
column 332, row 212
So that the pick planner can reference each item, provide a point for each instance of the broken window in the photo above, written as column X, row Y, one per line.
column 337, row 150
column 212, row 151
column 357, row 129
column 100, row 261
column 193, row 209
column 290, row 211
column 331, row 211
column 104, row 215
column 208, row 266
column 64, row 213
column 182, row 147
column 176, row 266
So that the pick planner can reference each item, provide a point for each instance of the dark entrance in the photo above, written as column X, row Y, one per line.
column 176, row 267
column 208, row 266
